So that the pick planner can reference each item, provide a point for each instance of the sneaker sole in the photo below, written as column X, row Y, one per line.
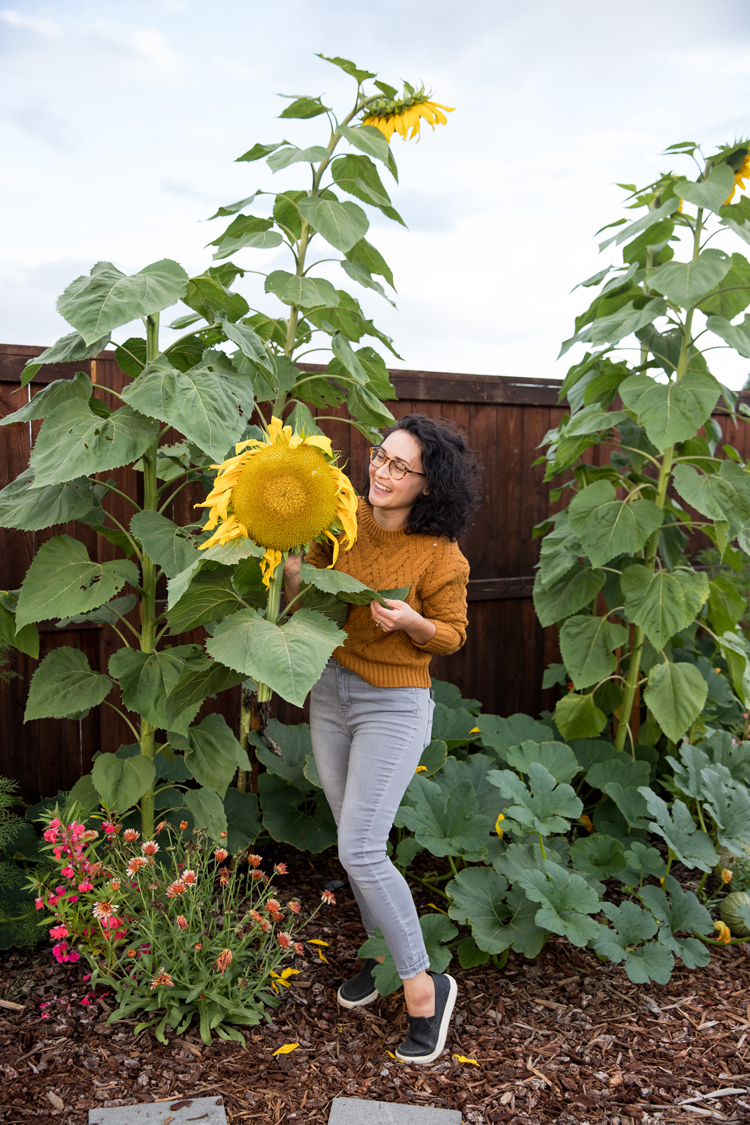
column 344, row 1003
column 421, row 1060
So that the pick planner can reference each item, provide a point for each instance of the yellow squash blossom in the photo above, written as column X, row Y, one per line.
column 282, row 493
column 399, row 115
column 742, row 174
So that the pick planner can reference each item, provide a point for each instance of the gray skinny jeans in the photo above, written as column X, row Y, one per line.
column 367, row 743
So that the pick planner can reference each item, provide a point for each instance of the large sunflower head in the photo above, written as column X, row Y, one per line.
column 282, row 492
column 399, row 115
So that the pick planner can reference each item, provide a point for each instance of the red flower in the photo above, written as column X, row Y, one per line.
column 176, row 888
column 272, row 906
column 294, row 906
column 224, row 876
column 277, row 916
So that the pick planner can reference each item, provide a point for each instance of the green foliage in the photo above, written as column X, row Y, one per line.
column 667, row 650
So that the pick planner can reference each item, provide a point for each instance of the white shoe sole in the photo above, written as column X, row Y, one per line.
column 369, row 999
column 421, row 1060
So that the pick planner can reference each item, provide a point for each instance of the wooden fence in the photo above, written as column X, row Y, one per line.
column 506, row 652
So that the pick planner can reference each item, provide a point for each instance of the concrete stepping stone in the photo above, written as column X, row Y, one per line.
column 178, row 1111
column 355, row 1111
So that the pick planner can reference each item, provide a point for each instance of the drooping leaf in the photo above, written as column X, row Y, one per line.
column 577, row 716
column 348, row 67
column 68, row 349
column 307, row 292
column 370, row 141
column 726, row 605
column 257, row 152
column 292, row 817
column 146, row 678
column 732, row 294
column 208, row 811
column 675, row 694
column 671, row 412
column 341, row 224
column 587, row 645
column 200, row 678
column 625, row 321
column 212, row 753
column 167, row 544
column 289, row 658
column 208, row 294
column 211, row 596
column 53, row 395
column 662, row 602
column 121, row 782
column 684, row 283
column 736, row 335
column 62, row 581
column 290, row 154
column 75, row 442
column 304, row 108
column 568, row 594
column 364, row 253
column 720, row 496
column 28, row 508
column 64, row 684
column 607, row 526
column 691, row 846
column 107, row 298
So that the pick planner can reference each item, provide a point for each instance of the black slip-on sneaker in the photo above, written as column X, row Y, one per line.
column 360, row 990
column 427, row 1034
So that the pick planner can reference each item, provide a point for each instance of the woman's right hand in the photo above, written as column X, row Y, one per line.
column 292, row 578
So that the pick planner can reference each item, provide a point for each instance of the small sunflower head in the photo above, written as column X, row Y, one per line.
column 392, row 115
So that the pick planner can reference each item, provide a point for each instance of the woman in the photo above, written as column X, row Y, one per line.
column 371, row 710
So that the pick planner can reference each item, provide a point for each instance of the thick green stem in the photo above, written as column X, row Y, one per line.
column 272, row 613
column 149, row 575
column 652, row 547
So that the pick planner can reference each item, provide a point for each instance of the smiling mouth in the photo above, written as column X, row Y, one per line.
column 381, row 489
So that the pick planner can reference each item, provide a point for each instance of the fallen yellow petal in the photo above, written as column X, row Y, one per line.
column 432, row 904
column 463, row 1059
column 322, row 956
column 286, row 1049
column 316, row 941
column 475, row 730
column 421, row 769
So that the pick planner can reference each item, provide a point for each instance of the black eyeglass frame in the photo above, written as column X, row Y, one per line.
column 376, row 450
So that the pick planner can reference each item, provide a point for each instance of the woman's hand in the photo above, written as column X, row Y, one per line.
column 292, row 579
column 399, row 615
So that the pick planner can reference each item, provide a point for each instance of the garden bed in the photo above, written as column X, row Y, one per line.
column 563, row 1039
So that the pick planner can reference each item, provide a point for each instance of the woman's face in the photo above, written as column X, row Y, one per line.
column 397, row 497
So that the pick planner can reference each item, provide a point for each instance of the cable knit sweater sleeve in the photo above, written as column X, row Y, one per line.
column 443, row 595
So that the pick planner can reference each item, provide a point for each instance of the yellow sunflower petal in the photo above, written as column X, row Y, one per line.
column 268, row 565
column 320, row 442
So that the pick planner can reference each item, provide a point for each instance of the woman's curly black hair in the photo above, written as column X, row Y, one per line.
column 452, row 472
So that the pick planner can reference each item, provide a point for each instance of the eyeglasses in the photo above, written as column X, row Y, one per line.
column 396, row 468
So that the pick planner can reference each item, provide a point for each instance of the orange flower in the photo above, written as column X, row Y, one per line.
column 183, row 825
column 277, row 916
column 294, row 906
column 130, row 835
column 285, row 940
column 281, row 869
column 181, row 921
column 265, row 925
column 132, row 953
column 220, row 855
column 176, row 888
column 256, row 916
column 135, row 864
column 254, row 860
column 162, row 978
column 258, row 874
column 149, row 847
column 223, row 835
column 197, row 947
column 188, row 877
column 724, row 933
column 224, row 876
column 272, row 906
column 224, row 960
column 160, row 827
column 115, row 884
column 726, row 875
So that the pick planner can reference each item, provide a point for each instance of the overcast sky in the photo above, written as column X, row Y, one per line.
column 120, row 121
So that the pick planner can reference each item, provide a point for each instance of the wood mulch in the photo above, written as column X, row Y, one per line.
column 564, row 1039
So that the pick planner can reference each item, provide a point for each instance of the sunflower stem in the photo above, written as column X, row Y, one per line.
column 148, row 596
column 273, row 604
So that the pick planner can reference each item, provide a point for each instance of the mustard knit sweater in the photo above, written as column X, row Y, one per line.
column 437, row 573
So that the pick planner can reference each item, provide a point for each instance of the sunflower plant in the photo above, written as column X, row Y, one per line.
column 652, row 645
column 227, row 394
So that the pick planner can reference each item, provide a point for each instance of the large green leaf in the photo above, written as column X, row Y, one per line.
column 68, row 349
column 632, row 926
column 346, row 587
column 283, row 157
column 25, row 639
column 121, row 782
column 720, row 496
column 684, row 283
column 566, row 900
column 106, row 299
column 568, row 594
column 210, row 596
column 370, row 141
column 208, row 811
column 607, row 526
column 678, row 911
column 200, row 678
column 577, row 716
column 710, row 193
column 169, row 545
column 249, row 342
column 623, row 770
column 62, row 580
column 662, row 602
column 205, row 403
column 348, row 67
column 469, row 774
column 728, row 803
column 289, row 658
column 610, row 329
column 53, row 395
column 341, row 224
column 452, row 827
column 74, row 442
column 544, row 806
column 587, row 645
column 246, row 232
column 211, row 298
column 676, row 825
column 732, row 294
column 500, row 734
column 308, row 292
column 294, row 817
column 675, row 694
column 598, row 855
column 736, row 335
column 243, row 820
column 64, row 684
column 212, row 753
column 364, row 253
column 295, row 746
column 626, row 232
column 498, row 920
column 358, row 176
column 557, row 758
column 28, row 508
column 147, row 677
column 674, row 411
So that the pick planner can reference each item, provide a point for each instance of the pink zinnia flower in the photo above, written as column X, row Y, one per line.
column 277, row 916
column 85, row 886
column 135, row 864
column 68, row 872
column 59, row 932
column 294, row 906
column 176, row 888
column 258, row 874
column 265, row 925
column 103, row 910
column 272, row 906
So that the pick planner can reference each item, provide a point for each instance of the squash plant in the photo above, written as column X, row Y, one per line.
column 613, row 573
column 183, row 409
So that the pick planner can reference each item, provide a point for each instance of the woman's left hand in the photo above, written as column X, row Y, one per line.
column 399, row 615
